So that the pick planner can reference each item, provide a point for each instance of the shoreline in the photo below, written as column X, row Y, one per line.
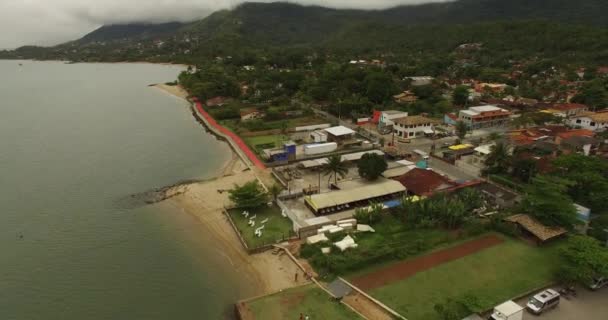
column 264, row 272
column 103, row 62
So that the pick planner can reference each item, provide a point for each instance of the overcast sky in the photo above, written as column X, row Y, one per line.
column 48, row 22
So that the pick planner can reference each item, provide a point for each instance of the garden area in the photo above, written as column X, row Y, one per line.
column 479, row 280
column 306, row 300
column 276, row 228
column 259, row 143
column 392, row 240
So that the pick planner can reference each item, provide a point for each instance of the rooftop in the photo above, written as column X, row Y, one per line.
column 486, row 108
column 414, row 120
column 568, row 106
column 424, row 182
column 358, row 192
column 508, row 308
column 575, row 133
column 390, row 112
column 485, row 149
column 339, row 131
column 536, row 228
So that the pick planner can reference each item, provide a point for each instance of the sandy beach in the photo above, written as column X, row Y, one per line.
column 265, row 272
column 176, row 91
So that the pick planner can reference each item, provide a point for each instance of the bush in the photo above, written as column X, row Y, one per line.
column 506, row 228
column 475, row 227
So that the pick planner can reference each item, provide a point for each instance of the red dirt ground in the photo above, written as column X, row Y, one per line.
column 406, row 269
column 230, row 134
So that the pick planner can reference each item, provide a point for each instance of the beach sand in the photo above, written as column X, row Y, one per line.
column 176, row 91
column 266, row 272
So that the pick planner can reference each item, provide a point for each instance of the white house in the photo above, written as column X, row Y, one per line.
column 388, row 117
column 412, row 127
column 591, row 121
column 421, row 81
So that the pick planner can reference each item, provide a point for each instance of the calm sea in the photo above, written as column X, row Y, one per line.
column 75, row 141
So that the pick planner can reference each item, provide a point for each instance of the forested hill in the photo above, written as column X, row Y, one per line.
column 255, row 26
column 134, row 31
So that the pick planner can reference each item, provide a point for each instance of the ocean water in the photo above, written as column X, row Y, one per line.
column 76, row 140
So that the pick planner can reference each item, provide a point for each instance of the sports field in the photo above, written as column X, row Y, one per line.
column 491, row 271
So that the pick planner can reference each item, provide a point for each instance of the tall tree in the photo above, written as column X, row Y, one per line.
column 583, row 259
column 499, row 160
column 250, row 195
column 371, row 166
column 335, row 167
column 461, row 129
column 547, row 200
column 274, row 191
column 460, row 95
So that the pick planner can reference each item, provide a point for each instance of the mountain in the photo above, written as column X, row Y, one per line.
column 265, row 25
column 131, row 31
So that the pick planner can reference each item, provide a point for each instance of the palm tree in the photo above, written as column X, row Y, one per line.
column 335, row 167
column 274, row 191
column 499, row 160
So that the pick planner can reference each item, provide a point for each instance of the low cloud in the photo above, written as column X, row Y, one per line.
column 47, row 22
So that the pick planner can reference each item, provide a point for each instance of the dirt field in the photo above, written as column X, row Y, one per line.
column 366, row 307
column 405, row 269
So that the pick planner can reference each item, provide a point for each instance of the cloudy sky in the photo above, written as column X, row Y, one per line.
column 48, row 22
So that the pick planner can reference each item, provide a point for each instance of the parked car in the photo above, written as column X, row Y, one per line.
column 543, row 301
column 598, row 283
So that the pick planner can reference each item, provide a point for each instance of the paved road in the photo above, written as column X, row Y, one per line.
column 451, row 171
column 588, row 305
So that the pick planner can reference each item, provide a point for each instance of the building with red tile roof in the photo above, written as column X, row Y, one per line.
column 423, row 182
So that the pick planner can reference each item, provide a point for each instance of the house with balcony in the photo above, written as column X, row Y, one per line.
column 413, row 127
column 484, row 117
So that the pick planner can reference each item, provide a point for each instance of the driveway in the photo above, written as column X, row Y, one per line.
column 588, row 305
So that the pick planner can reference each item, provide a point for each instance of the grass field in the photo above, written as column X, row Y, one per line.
column 493, row 275
column 277, row 227
column 261, row 140
column 308, row 300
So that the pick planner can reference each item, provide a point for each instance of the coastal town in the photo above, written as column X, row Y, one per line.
column 400, row 213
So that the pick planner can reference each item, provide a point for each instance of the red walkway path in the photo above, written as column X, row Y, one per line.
column 239, row 142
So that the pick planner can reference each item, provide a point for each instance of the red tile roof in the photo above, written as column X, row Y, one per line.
column 568, row 106
column 423, row 182
column 576, row 133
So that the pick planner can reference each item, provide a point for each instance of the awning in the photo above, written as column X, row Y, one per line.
column 428, row 131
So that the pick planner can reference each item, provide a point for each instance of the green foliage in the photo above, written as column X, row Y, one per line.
column 499, row 160
column 249, row 195
column 583, row 259
column 524, row 169
column 460, row 96
column 450, row 211
column 274, row 190
column 547, row 200
column 335, row 167
column 594, row 94
column 461, row 129
column 371, row 166
column 589, row 175
column 370, row 215
column 457, row 309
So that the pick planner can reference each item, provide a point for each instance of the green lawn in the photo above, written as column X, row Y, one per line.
column 307, row 300
column 277, row 227
column 493, row 275
column 261, row 140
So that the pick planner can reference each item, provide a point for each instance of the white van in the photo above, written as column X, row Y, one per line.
column 543, row 301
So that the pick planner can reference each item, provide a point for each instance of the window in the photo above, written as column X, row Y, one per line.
column 592, row 124
column 578, row 120
column 411, row 134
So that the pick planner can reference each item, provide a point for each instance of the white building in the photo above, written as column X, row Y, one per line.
column 484, row 117
column 412, row 127
column 388, row 117
column 318, row 136
column 591, row 121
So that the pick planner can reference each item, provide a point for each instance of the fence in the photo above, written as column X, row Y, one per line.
column 292, row 235
column 290, row 215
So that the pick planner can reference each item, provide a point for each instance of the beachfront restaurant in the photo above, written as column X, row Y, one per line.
column 361, row 196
